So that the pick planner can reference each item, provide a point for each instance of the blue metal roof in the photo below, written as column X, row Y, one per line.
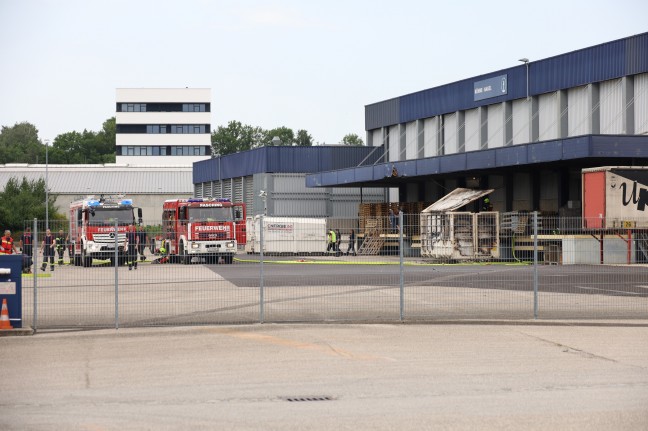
column 282, row 159
column 603, row 62
column 623, row 148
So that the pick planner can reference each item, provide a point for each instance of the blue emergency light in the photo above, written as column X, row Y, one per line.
column 93, row 203
column 126, row 202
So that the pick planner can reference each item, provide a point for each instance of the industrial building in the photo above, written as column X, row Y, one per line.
column 148, row 186
column 271, row 181
column 526, row 131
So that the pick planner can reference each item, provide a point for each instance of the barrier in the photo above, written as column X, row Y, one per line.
column 11, row 288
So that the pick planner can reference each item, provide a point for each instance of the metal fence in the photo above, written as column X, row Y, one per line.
column 452, row 266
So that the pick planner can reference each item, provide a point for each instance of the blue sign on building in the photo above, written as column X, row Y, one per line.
column 491, row 87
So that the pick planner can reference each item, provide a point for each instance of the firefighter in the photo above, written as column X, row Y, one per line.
column 141, row 233
column 132, row 237
column 26, row 242
column 61, row 245
column 7, row 246
column 162, row 259
column 47, row 248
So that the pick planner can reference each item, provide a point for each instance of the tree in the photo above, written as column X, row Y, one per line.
column 235, row 137
column 304, row 139
column 24, row 200
column 106, row 141
column 286, row 135
column 20, row 144
column 352, row 140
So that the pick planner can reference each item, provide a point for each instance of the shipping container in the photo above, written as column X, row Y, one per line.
column 615, row 197
column 286, row 235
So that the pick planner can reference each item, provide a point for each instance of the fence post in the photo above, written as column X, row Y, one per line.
column 261, row 304
column 535, row 264
column 35, row 272
column 116, row 274
column 400, row 248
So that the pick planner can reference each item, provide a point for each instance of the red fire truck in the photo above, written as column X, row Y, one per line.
column 202, row 228
column 92, row 228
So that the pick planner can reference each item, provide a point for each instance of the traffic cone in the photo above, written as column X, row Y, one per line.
column 4, row 317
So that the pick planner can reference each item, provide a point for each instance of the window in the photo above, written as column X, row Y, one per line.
column 130, row 151
column 196, row 151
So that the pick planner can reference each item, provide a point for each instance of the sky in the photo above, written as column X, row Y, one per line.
column 301, row 64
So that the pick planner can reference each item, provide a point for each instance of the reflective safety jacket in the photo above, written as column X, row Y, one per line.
column 7, row 245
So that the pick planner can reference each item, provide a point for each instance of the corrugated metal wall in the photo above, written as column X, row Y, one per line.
column 382, row 114
column 611, row 93
column 580, row 111
column 450, row 133
column 394, row 143
column 472, row 128
column 603, row 62
column 521, row 121
column 430, row 136
column 641, row 104
column 411, row 141
column 496, row 131
column 548, row 112
column 287, row 195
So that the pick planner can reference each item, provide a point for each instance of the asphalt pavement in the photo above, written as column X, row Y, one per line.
column 324, row 377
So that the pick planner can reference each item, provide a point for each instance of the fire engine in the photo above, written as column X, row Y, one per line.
column 203, row 228
column 92, row 228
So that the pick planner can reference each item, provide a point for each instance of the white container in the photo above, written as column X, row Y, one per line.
column 286, row 235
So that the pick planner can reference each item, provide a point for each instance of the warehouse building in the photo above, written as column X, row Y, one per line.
column 271, row 181
column 148, row 186
column 525, row 131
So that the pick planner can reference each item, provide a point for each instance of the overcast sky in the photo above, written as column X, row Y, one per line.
column 300, row 64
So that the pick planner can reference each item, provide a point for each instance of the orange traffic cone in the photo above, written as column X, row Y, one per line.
column 4, row 317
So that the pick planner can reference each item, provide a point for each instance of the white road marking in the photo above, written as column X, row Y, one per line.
column 607, row 290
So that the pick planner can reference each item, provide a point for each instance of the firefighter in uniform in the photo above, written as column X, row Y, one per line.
column 47, row 247
column 61, row 244
column 7, row 245
column 133, row 241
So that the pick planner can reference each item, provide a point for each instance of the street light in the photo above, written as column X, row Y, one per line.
column 46, row 184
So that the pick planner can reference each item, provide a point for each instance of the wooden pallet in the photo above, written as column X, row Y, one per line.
column 371, row 245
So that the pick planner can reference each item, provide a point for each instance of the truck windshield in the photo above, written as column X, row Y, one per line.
column 210, row 214
column 104, row 216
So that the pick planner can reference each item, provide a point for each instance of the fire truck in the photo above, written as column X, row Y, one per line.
column 202, row 228
column 92, row 228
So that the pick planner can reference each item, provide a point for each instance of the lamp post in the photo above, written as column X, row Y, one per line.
column 46, row 184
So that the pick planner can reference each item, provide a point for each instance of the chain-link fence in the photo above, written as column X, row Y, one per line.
column 404, row 267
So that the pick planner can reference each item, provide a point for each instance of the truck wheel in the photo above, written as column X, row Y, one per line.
column 86, row 261
column 184, row 258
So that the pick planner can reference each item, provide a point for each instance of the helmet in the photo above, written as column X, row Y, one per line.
column 486, row 200
column 162, row 250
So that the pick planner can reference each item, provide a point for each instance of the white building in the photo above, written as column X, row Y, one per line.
column 163, row 126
